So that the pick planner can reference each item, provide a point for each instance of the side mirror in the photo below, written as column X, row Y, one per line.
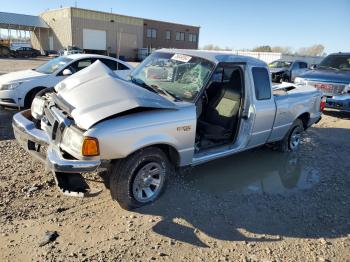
column 313, row 67
column 67, row 72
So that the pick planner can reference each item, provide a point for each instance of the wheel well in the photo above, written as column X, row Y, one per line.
column 305, row 119
column 30, row 94
column 171, row 152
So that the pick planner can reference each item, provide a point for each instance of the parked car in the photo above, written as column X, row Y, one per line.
column 180, row 108
column 286, row 71
column 332, row 77
column 52, row 53
column 4, row 51
column 70, row 50
column 18, row 89
column 25, row 52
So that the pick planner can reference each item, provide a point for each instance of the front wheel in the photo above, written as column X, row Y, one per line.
column 291, row 141
column 140, row 178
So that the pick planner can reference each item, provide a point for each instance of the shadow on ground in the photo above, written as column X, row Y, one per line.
column 338, row 114
column 260, row 195
column 6, row 132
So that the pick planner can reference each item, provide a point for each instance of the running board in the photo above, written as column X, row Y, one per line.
column 71, row 184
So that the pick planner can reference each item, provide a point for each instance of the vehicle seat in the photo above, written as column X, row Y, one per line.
column 221, row 115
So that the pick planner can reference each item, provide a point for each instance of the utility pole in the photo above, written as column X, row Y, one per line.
column 120, row 40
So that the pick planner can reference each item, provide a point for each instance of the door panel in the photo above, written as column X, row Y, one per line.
column 264, row 107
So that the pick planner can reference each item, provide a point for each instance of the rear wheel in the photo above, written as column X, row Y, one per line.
column 140, row 178
column 291, row 141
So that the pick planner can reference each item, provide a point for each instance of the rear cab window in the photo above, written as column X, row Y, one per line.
column 262, row 83
column 114, row 65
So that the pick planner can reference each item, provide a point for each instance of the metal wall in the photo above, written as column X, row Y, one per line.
column 161, row 42
column 268, row 57
column 60, row 25
column 124, row 33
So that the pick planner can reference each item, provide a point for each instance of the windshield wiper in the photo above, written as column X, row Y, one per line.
column 154, row 88
column 166, row 92
column 141, row 83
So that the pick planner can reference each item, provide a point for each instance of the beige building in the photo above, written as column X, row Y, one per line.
column 108, row 33
column 158, row 34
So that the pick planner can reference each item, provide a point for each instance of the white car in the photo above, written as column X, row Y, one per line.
column 18, row 89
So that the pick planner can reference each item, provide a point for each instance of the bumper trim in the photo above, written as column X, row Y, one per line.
column 26, row 129
column 341, row 103
column 57, row 163
column 26, row 134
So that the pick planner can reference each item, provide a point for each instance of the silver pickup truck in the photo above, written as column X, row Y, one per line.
column 180, row 108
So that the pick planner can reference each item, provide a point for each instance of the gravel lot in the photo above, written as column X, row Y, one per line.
column 8, row 65
column 256, row 206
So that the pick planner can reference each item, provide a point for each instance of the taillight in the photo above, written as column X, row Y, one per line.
column 323, row 103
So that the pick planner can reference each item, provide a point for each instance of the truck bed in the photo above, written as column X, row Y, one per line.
column 291, row 102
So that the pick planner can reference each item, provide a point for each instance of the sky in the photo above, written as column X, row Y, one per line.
column 242, row 24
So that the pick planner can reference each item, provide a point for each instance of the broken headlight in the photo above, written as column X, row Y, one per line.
column 72, row 141
column 37, row 107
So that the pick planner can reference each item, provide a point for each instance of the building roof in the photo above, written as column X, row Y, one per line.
column 216, row 56
column 116, row 14
column 19, row 21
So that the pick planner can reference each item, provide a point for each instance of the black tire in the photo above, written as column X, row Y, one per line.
column 124, row 172
column 286, row 79
column 286, row 145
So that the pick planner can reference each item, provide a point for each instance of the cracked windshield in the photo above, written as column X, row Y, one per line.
column 176, row 75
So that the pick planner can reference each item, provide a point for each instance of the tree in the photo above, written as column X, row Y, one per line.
column 215, row 47
column 314, row 50
column 263, row 48
column 282, row 49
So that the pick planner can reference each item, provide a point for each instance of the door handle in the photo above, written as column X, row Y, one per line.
column 245, row 115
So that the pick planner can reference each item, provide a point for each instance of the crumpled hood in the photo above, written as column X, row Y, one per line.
column 24, row 75
column 96, row 93
column 332, row 76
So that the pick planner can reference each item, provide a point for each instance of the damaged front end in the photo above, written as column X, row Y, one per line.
column 54, row 130
column 45, row 144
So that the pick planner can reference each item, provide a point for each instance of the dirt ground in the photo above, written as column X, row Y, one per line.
column 256, row 206
column 8, row 65
column 259, row 205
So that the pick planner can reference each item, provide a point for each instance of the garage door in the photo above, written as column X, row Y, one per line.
column 94, row 39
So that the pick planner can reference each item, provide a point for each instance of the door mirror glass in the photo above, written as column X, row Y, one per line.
column 67, row 72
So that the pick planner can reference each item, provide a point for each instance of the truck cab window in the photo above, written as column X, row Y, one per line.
column 113, row 65
column 302, row 65
column 261, row 83
column 296, row 66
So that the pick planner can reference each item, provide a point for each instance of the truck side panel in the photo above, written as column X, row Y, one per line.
column 291, row 106
column 146, row 129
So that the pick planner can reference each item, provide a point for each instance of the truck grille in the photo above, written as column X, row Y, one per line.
column 54, row 122
column 329, row 89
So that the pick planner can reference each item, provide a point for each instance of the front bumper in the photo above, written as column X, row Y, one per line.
column 9, row 98
column 339, row 102
column 32, row 139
